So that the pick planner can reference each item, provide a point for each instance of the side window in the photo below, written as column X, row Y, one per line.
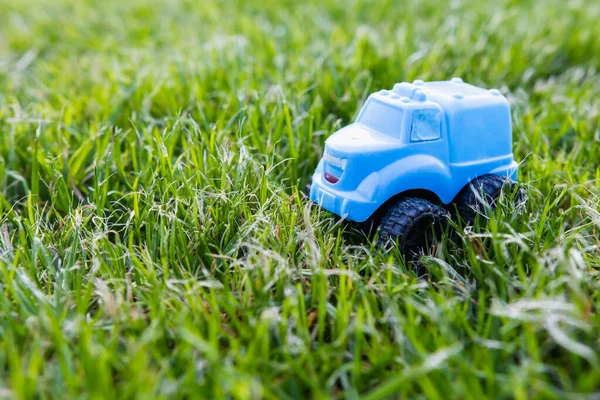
column 426, row 125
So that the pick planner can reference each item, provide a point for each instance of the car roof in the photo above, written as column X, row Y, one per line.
column 450, row 95
column 454, row 86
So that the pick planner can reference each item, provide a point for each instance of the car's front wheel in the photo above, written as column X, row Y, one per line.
column 412, row 224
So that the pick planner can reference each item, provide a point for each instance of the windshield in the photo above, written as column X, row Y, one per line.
column 381, row 117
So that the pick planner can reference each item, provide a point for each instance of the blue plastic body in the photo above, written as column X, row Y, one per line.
column 433, row 136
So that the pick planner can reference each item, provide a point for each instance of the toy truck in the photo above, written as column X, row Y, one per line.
column 414, row 154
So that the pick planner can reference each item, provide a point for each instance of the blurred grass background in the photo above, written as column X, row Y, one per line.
column 154, row 240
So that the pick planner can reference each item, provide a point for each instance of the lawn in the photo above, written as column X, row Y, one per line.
column 155, row 240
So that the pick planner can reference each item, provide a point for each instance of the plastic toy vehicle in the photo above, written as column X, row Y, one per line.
column 412, row 153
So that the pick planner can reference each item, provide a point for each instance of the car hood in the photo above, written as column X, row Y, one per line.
column 358, row 139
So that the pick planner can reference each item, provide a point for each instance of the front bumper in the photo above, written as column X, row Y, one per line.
column 350, row 205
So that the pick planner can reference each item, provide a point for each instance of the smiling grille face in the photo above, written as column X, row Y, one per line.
column 335, row 161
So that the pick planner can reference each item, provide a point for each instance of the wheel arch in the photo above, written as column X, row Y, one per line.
column 425, row 194
column 421, row 176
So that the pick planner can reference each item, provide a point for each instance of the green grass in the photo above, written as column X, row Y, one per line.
column 154, row 240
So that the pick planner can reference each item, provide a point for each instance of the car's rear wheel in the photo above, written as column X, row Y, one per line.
column 482, row 194
column 412, row 224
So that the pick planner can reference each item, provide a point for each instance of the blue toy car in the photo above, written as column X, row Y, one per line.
column 414, row 153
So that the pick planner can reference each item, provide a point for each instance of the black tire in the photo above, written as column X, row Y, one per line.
column 411, row 224
column 307, row 187
column 482, row 194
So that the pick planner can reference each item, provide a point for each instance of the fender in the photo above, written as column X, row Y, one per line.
column 413, row 172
